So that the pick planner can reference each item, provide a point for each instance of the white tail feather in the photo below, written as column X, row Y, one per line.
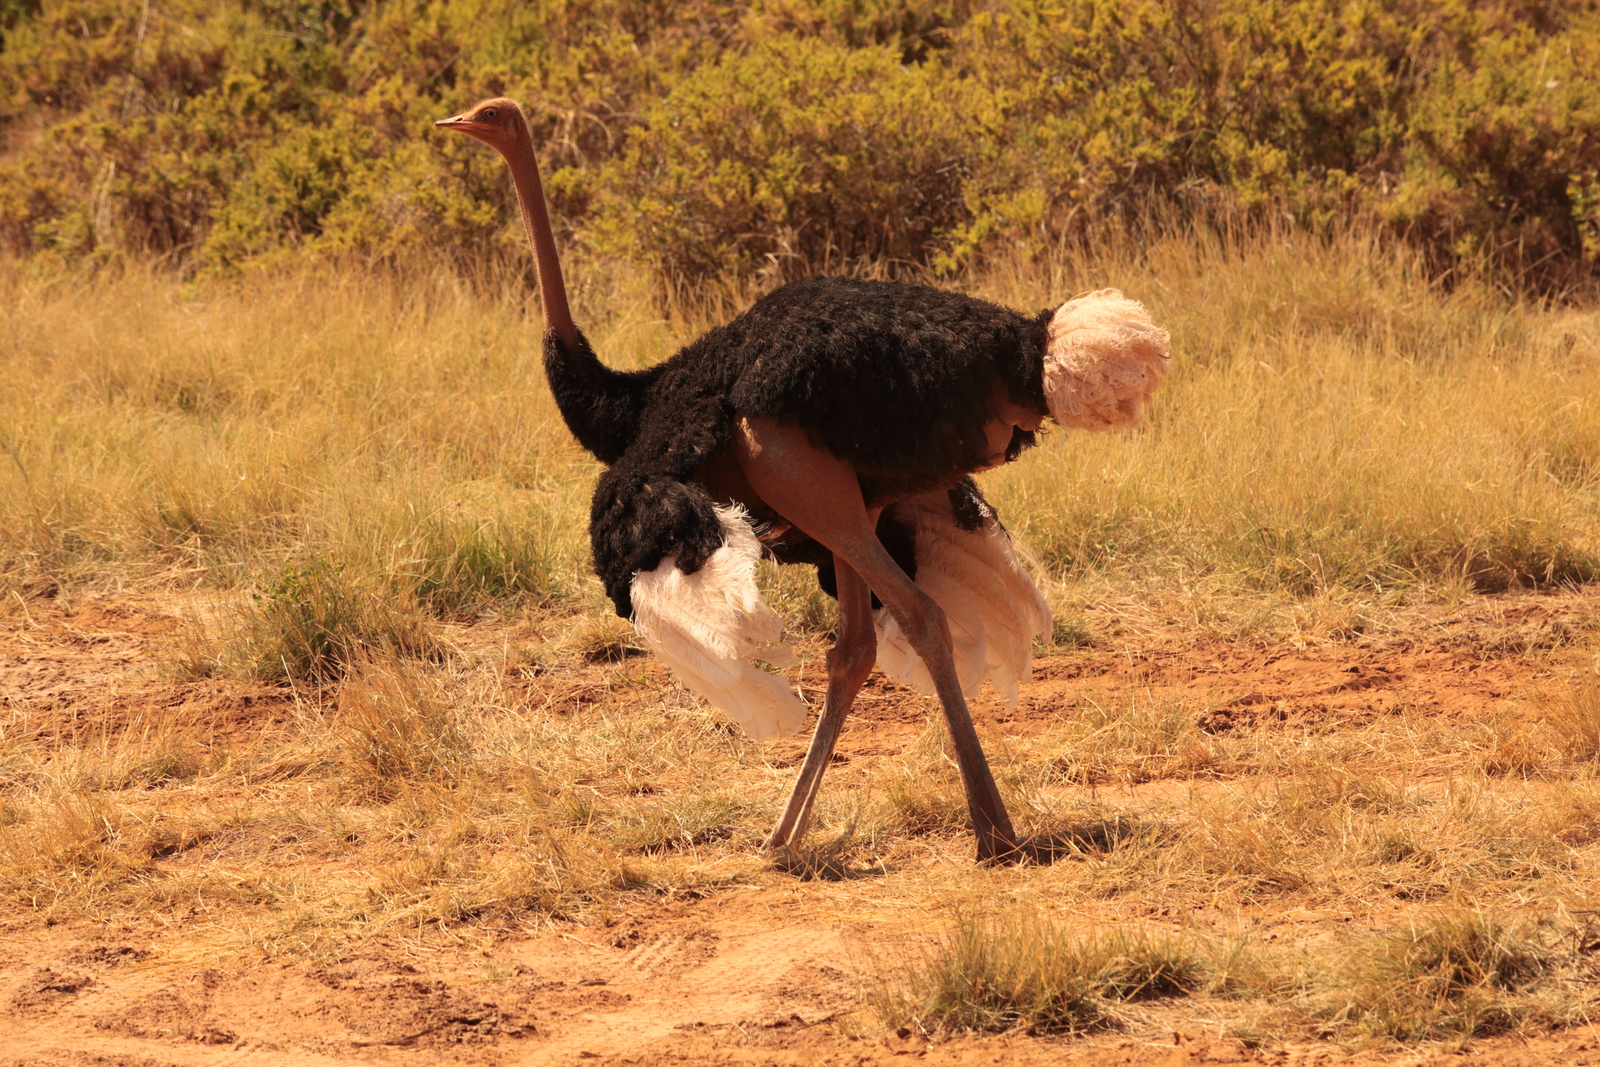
column 707, row 626
column 1103, row 360
column 990, row 602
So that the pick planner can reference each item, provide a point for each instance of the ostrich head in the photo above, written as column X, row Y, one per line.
column 498, row 123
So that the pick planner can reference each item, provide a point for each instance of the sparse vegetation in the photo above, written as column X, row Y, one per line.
column 1013, row 970
column 398, row 729
column 343, row 465
column 1450, row 978
column 1571, row 714
column 460, row 799
column 314, row 624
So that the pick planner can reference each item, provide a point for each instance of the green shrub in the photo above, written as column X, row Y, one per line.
column 1502, row 153
column 769, row 138
column 1425, row 113
column 794, row 155
column 301, row 127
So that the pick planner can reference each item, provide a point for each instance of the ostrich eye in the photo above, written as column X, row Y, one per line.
column 489, row 113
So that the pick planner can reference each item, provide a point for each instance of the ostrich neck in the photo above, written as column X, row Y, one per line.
column 536, row 220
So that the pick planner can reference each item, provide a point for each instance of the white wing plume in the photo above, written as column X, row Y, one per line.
column 990, row 601
column 709, row 625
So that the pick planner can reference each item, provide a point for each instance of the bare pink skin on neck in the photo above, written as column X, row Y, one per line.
column 1008, row 417
column 536, row 222
column 501, row 125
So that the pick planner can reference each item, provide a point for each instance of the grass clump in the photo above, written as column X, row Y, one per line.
column 1571, row 715
column 453, row 879
column 925, row 797
column 461, row 570
column 823, row 861
column 923, row 806
column 67, row 850
column 73, row 853
column 149, row 755
column 1143, row 741
column 397, row 728
column 1451, row 978
column 1067, row 632
column 1094, row 835
column 680, row 823
column 313, row 623
column 1013, row 970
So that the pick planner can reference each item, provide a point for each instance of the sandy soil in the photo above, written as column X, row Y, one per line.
column 754, row 975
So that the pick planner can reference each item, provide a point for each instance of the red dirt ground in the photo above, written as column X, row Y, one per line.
column 741, row 977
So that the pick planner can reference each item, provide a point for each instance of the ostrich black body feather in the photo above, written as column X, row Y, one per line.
column 897, row 380
column 600, row 406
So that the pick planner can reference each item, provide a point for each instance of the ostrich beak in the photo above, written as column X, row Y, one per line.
column 465, row 125
column 481, row 130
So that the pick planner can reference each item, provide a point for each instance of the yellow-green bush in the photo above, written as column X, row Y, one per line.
column 704, row 137
column 1425, row 113
column 237, row 132
column 788, row 156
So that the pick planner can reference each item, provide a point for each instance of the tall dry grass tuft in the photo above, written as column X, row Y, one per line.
column 1571, row 715
column 397, row 727
column 1451, row 977
column 67, row 851
column 148, row 755
column 313, row 624
column 451, row 878
column 680, row 821
column 924, row 794
column 478, row 557
column 1014, row 970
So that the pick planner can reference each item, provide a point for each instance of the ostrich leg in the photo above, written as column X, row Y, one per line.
column 821, row 495
column 849, row 662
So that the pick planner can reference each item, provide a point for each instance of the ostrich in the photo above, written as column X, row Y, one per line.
column 837, row 422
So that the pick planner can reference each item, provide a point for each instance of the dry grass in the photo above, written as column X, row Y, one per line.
column 362, row 468
column 315, row 623
column 394, row 431
column 1334, row 424
column 1571, row 715
column 398, row 728
column 1142, row 741
column 1013, row 970
column 464, row 801
column 1449, row 977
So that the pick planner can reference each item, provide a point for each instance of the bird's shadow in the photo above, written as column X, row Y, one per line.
column 1085, row 839
column 831, row 861
column 835, row 860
